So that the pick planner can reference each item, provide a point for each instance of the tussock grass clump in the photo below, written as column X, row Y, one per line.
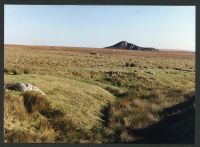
column 135, row 116
column 161, row 67
column 113, row 90
column 41, row 124
column 35, row 102
column 127, row 64
column 175, row 93
column 125, row 137
column 93, row 53
column 115, row 80
column 22, row 127
column 52, row 113
column 63, row 124
column 14, row 106
column 19, row 136
column 16, row 71
column 66, row 130
column 5, row 70
column 31, row 134
column 7, row 95
column 125, row 115
column 22, row 136
column 150, row 96
column 27, row 71
column 190, row 96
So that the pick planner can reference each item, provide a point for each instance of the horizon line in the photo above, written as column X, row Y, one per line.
column 45, row 45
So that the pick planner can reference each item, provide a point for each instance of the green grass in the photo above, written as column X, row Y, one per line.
column 79, row 100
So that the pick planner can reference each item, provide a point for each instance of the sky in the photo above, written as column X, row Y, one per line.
column 162, row 27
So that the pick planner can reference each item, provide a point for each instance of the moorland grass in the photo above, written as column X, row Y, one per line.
column 79, row 100
column 99, row 96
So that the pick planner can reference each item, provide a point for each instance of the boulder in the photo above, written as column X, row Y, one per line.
column 23, row 87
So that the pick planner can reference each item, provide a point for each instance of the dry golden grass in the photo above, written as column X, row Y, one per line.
column 20, row 127
column 35, row 102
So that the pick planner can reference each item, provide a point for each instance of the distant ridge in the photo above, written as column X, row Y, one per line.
column 129, row 46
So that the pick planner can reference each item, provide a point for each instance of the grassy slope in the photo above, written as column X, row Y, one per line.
column 82, row 102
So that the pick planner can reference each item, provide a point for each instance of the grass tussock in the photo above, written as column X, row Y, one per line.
column 20, row 126
column 16, row 71
column 35, row 101
column 5, row 70
column 67, row 131
column 127, row 64
column 35, row 121
column 127, row 118
column 117, row 91
column 27, row 71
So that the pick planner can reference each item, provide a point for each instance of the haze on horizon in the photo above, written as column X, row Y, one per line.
column 161, row 27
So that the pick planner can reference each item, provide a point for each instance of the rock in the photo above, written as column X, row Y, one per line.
column 23, row 87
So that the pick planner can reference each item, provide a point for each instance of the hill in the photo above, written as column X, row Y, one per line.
column 130, row 46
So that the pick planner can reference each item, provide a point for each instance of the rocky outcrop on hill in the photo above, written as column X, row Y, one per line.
column 22, row 87
column 130, row 46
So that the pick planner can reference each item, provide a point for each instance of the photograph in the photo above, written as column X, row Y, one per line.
column 99, row 74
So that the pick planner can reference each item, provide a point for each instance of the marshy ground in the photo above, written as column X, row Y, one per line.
column 99, row 95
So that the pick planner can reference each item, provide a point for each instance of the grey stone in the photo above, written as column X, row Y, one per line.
column 23, row 87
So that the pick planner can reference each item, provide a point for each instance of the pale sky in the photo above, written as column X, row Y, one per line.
column 162, row 27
